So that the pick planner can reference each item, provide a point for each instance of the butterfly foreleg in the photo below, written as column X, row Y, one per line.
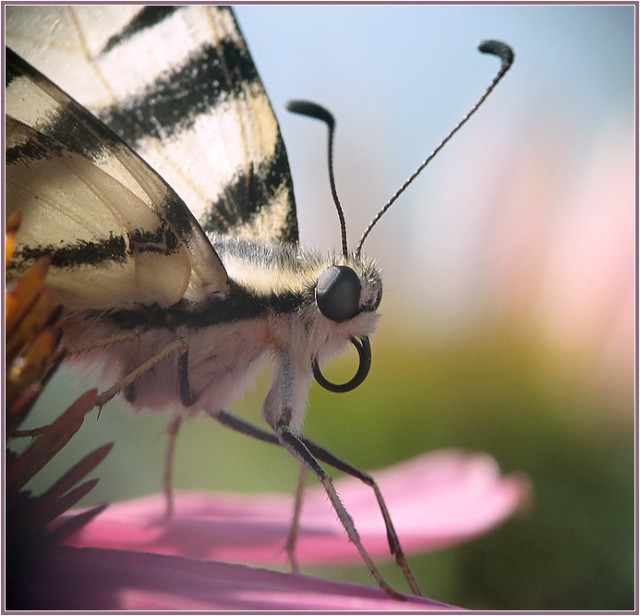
column 392, row 537
column 297, row 447
column 235, row 423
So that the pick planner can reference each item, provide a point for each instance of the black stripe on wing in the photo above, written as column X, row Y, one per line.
column 60, row 128
column 149, row 16
column 242, row 199
column 213, row 75
column 115, row 248
column 175, row 99
column 89, row 200
column 70, row 128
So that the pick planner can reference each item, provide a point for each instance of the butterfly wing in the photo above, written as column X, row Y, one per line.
column 178, row 85
column 115, row 232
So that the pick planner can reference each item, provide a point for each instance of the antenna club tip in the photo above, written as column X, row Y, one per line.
column 311, row 110
column 500, row 49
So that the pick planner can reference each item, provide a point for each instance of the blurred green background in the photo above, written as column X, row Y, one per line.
column 509, row 301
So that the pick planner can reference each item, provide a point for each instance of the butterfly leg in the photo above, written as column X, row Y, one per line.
column 130, row 390
column 126, row 383
column 294, row 527
column 392, row 537
column 102, row 343
column 167, row 477
column 179, row 346
column 297, row 447
column 132, row 337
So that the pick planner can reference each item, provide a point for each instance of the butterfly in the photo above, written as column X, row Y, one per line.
column 156, row 181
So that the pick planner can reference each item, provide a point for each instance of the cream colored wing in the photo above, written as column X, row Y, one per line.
column 115, row 232
column 178, row 85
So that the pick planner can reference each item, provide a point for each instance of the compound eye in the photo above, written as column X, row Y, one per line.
column 338, row 293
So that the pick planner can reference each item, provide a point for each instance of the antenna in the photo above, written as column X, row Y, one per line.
column 313, row 110
column 506, row 55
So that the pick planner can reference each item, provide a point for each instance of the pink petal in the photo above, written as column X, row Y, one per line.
column 435, row 500
column 67, row 578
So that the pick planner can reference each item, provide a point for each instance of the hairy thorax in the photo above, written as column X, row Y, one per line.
column 269, row 313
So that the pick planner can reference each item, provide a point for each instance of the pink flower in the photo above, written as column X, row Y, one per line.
column 129, row 558
column 94, row 578
column 436, row 500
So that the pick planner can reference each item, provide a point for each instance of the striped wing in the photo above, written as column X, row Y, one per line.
column 178, row 85
column 115, row 232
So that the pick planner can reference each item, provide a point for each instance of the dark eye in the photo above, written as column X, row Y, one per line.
column 338, row 293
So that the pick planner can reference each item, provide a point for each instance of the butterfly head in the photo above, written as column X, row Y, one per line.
column 343, row 295
column 347, row 296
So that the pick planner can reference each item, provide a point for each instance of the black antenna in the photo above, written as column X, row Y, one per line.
column 506, row 55
column 313, row 110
